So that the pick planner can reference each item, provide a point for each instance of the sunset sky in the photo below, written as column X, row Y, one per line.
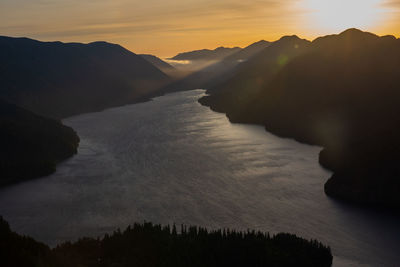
column 166, row 27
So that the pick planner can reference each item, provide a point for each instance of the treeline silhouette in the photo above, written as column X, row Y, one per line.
column 155, row 245
column 31, row 145
column 339, row 91
column 21, row 251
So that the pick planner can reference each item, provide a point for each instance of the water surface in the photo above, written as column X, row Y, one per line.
column 173, row 160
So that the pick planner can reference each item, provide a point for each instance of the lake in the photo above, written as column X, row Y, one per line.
column 172, row 160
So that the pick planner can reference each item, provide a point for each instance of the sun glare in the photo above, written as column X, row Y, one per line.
column 336, row 15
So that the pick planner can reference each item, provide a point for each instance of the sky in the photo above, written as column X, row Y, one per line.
column 167, row 27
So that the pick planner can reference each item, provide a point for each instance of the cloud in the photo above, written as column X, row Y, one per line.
column 392, row 3
column 42, row 15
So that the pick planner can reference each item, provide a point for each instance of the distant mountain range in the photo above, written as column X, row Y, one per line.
column 207, row 54
column 217, row 72
column 341, row 92
column 63, row 79
column 247, row 52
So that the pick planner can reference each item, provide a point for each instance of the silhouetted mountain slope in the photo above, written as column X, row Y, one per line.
column 159, row 63
column 341, row 92
column 207, row 54
column 249, row 51
column 62, row 79
column 258, row 70
column 31, row 145
column 217, row 72
column 153, row 245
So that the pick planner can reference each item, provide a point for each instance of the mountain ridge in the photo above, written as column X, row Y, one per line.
column 65, row 79
column 341, row 93
column 217, row 72
column 156, row 61
column 207, row 54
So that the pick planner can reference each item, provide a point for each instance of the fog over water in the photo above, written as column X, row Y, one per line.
column 173, row 160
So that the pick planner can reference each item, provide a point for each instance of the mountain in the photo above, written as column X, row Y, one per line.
column 341, row 92
column 207, row 54
column 58, row 80
column 261, row 68
column 159, row 63
column 217, row 72
column 31, row 145
column 155, row 245
column 249, row 51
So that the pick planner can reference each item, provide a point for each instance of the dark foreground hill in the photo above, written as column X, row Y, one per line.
column 31, row 145
column 153, row 245
column 58, row 80
column 341, row 92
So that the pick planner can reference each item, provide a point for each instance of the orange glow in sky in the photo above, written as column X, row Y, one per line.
column 166, row 27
